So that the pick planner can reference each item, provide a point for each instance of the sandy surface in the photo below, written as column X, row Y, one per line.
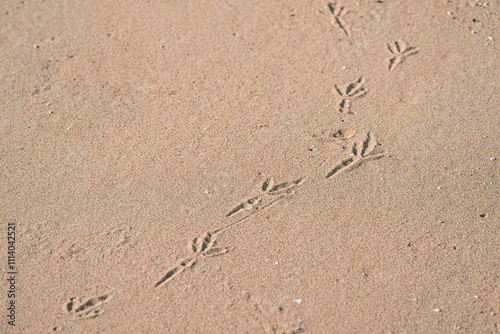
column 251, row 166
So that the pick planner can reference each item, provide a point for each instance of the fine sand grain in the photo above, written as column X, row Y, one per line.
column 237, row 166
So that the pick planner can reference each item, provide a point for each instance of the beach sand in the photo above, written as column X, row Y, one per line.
column 251, row 166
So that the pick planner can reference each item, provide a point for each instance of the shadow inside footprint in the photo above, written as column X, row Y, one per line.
column 90, row 308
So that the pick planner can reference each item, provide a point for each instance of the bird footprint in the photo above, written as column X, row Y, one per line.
column 201, row 247
column 348, row 93
column 269, row 188
column 338, row 13
column 87, row 309
column 400, row 50
column 361, row 152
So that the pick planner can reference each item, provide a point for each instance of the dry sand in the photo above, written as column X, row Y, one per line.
column 140, row 140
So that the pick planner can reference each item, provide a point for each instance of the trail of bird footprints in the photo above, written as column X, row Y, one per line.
column 270, row 192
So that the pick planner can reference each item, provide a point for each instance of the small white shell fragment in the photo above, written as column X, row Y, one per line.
column 298, row 301
column 437, row 310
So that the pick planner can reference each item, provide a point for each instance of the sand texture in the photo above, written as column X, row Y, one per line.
column 231, row 166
